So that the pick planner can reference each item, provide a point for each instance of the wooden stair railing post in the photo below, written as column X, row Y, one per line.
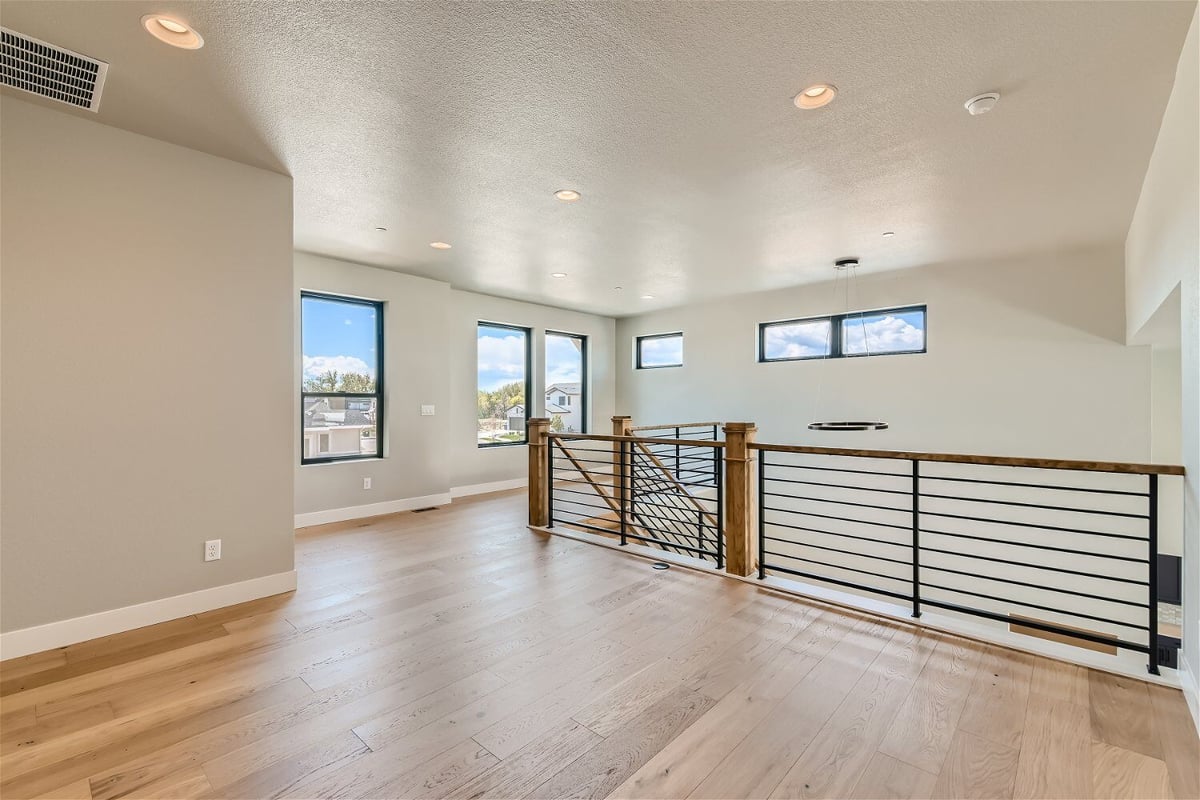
column 539, row 471
column 741, row 539
column 622, row 426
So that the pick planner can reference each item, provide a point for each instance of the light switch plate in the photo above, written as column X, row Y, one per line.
column 427, row 411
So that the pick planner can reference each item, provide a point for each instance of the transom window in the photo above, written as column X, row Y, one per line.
column 341, row 394
column 857, row 333
column 658, row 350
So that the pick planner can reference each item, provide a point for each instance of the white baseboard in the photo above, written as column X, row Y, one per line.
column 79, row 629
column 370, row 510
column 1187, row 682
column 484, row 488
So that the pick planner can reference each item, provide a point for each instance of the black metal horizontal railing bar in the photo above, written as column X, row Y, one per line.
column 1110, row 556
column 1067, row 509
column 806, row 499
column 671, row 448
column 1026, row 604
column 1039, row 526
column 567, row 461
column 851, row 553
column 592, row 493
column 840, row 519
column 605, row 510
column 668, row 455
column 658, row 478
column 1091, row 490
column 574, row 450
column 905, row 545
column 1025, row 565
column 684, row 547
column 690, row 527
column 905, row 492
column 1113, row 467
column 835, row 581
column 598, row 437
column 693, row 511
column 882, row 575
column 1040, row 588
column 1037, row 625
column 835, row 469
column 585, row 482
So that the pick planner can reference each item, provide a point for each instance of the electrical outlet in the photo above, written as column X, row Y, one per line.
column 212, row 550
column 427, row 411
column 366, row 483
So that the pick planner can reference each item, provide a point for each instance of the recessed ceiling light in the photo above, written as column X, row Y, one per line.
column 440, row 245
column 172, row 31
column 617, row 288
column 815, row 96
column 886, row 234
column 647, row 297
column 982, row 103
column 567, row 195
column 558, row 274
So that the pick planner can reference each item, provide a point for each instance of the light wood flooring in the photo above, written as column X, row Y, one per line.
column 454, row 653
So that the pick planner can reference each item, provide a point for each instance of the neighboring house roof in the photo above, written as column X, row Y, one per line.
column 519, row 408
column 563, row 388
column 554, row 408
column 318, row 415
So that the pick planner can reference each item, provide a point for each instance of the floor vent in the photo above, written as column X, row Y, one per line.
column 41, row 68
column 423, row 510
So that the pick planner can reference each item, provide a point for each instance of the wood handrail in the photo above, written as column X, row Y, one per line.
column 677, row 425
column 603, row 437
column 999, row 461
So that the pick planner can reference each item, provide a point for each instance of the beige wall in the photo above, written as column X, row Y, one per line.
column 431, row 359
column 146, row 339
column 1026, row 358
column 1162, row 255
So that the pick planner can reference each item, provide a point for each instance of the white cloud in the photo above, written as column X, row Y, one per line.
column 316, row 366
column 502, row 355
column 888, row 334
column 798, row 340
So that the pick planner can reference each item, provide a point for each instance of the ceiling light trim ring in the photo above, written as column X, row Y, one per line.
column 162, row 27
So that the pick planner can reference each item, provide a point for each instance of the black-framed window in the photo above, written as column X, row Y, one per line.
column 566, row 382
column 658, row 350
column 504, row 383
column 888, row 331
column 341, row 393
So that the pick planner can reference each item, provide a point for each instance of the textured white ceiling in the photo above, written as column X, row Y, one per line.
column 457, row 121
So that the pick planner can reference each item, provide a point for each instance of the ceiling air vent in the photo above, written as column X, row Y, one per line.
column 40, row 68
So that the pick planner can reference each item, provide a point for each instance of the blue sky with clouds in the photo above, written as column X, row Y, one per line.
column 501, row 353
column 337, row 336
column 564, row 361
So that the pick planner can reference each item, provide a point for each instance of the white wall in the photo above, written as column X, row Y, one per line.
column 430, row 349
column 1026, row 358
column 146, row 340
column 1162, row 253
column 1166, row 441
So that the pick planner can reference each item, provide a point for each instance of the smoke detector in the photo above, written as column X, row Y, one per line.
column 54, row 72
column 982, row 103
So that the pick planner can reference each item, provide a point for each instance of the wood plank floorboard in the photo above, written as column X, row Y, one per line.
column 457, row 654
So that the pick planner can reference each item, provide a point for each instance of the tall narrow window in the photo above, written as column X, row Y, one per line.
column 503, row 383
column 566, row 382
column 341, row 396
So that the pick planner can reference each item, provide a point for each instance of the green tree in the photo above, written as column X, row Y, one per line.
column 357, row 382
column 556, row 423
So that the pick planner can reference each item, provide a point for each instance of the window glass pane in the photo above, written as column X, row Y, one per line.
column 884, row 332
column 339, row 426
column 338, row 344
column 564, row 383
column 787, row 340
column 661, row 351
column 502, row 372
